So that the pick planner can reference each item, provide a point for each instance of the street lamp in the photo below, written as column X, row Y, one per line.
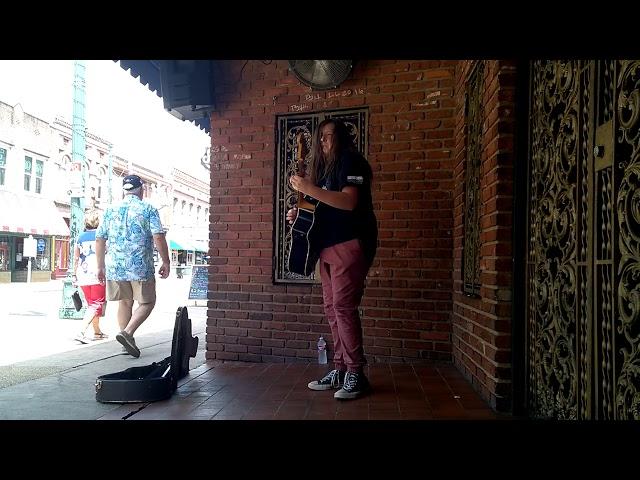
column 77, row 186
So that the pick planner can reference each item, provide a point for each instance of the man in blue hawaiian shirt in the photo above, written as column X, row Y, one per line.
column 129, row 230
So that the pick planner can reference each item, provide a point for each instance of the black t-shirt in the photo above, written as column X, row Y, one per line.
column 333, row 225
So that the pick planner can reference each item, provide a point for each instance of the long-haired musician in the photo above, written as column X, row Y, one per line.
column 346, row 237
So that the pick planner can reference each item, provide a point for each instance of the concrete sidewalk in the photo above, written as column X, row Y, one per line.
column 65, row 389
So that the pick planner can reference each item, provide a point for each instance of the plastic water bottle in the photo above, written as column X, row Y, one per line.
column 322, row 351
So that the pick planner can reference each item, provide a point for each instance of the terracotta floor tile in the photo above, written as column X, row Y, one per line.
column 248, row 391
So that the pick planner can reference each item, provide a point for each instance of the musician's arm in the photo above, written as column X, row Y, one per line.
column 346, row 199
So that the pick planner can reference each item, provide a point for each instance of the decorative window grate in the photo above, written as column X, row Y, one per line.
column 288, row 128
column 474, row 113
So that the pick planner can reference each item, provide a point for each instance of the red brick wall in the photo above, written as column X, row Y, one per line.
column 481, row 326
column 407, row 303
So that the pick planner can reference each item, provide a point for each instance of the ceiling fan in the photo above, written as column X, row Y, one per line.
column 321, row 74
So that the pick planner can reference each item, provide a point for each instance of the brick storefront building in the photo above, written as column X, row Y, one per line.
column 506, row 199
column 413, row 309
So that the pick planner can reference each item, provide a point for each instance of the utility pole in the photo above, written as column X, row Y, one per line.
column 109, row 197
column 77, row 186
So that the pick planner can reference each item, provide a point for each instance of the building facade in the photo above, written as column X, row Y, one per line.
column 28, row 188
column 35, row 170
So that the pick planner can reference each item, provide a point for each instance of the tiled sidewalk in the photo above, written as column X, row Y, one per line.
column 259, row 391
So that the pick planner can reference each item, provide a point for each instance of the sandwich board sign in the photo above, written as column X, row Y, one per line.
column 199, row 283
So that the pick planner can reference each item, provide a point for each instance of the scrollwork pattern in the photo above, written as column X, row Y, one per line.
column 475, row 117
column 552, row 227
column 628, row 216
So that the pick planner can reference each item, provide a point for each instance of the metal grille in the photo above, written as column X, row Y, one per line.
column 583, row 253
column 627, row 259
column 475, row 116
column 555, row 132
column 288, row 128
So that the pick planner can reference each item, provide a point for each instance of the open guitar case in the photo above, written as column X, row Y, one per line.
column 157, row 381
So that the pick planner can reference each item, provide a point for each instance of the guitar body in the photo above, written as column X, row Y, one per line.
column 302, row 257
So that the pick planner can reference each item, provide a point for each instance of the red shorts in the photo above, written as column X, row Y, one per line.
column 95, row 297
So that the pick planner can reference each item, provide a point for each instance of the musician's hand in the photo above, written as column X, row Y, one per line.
column 301, row 184
column 292, row 214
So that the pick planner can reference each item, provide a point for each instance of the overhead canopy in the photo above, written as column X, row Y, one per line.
column 173, row 245
column 149, row 74
column 30, row 214
column 190, row 245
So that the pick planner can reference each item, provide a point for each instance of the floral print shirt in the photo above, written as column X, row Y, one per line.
column 128, row 228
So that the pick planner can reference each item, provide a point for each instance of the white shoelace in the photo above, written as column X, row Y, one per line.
column 350, row 380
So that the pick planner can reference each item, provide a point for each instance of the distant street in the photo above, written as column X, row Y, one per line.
column 30, row 327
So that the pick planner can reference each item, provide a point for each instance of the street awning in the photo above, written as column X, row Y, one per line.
column 27, row 214
column 182, row 245
column 148, row 73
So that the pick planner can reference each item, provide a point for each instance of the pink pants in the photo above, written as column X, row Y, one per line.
column 343, row 270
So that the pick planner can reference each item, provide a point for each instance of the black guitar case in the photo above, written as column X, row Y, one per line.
column 153, row 382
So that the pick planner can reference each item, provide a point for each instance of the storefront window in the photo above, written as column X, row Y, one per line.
column 42, row 261
column 5, row 260
column 62, row 257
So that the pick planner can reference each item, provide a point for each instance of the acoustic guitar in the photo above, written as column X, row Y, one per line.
column 302, row 257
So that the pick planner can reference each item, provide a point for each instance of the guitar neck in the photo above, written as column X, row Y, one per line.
column 299, row 155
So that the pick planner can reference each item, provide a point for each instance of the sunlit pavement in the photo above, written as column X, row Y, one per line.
column 30, row 327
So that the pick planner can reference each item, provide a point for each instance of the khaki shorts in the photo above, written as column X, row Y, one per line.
column 142, row 291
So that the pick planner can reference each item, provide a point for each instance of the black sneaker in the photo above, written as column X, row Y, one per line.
column 333, row 379
column 355, row 384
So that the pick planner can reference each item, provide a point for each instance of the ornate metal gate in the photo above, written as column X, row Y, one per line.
column 583, row 248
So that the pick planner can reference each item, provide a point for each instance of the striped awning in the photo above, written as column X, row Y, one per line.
column 25, row 213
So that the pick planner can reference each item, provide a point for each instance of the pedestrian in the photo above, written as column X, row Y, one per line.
column 345, row 235
column 85, row 276
column 128, row 232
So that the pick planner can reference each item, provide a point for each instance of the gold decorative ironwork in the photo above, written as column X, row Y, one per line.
column 289, row 126
column 627, row 402
column 555, row 137
column 604, row 218
column 583, row 254
column 474, row 121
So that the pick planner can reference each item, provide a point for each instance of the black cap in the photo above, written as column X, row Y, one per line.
column 131, row 181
